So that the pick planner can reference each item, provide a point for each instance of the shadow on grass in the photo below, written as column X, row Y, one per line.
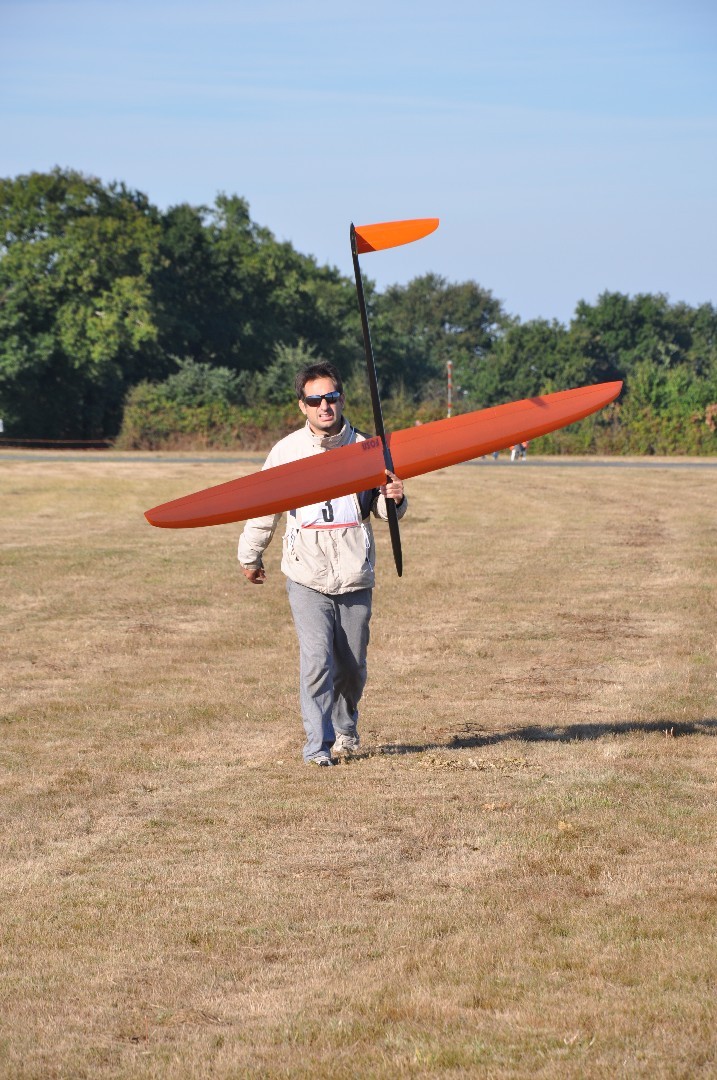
column 568, row 733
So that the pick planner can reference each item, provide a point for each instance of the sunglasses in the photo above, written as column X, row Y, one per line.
column 314, row 400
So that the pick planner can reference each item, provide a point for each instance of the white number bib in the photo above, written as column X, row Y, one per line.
column 338, row 513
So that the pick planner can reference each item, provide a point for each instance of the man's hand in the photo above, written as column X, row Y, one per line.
column 394, row 489
column 255, row 574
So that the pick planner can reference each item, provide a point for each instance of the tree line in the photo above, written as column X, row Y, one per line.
column 121, row 320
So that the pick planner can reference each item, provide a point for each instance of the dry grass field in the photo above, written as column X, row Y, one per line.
column 516, row 877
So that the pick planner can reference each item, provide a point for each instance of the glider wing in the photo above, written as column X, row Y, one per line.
column 361, row 466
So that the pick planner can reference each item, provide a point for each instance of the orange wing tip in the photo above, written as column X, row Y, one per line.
column 387, row 234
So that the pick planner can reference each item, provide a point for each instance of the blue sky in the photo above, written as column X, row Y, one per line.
column 567, row 148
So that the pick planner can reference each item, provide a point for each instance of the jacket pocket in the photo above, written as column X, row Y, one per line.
column 304, row 560
column 355, row 562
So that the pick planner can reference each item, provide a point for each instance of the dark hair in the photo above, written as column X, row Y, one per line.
column 322, row 369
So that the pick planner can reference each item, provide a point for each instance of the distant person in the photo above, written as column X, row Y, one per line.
column 328, row 559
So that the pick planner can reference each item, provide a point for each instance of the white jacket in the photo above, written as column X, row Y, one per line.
column 330, row 559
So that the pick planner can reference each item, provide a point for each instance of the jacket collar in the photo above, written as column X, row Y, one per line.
column 330, row 442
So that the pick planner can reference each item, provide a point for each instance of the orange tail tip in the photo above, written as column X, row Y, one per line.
column 388, row 234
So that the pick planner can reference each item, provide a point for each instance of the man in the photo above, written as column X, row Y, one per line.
column 328, row 559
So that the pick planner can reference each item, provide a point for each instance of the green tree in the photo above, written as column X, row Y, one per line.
column 528, row 359
column 76, row 318
column 275, row 384
column 620, row 332
column 187, row 289
column 196, row 384
column 267, row 293
column 423, row 325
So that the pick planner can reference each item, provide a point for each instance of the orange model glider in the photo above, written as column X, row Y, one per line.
column 407, row 453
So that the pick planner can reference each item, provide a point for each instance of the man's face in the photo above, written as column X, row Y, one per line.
column 325, row 417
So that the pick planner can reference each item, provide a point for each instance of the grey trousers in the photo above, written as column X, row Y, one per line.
column 333, row 633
